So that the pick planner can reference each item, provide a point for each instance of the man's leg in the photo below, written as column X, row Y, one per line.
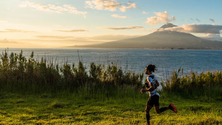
column 160, row 110
column 171, row 107
column 148, row 107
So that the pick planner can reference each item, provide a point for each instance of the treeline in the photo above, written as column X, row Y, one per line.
column 20, row 74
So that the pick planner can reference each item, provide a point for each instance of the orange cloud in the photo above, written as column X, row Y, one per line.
column 16, row 30
column 78, row 30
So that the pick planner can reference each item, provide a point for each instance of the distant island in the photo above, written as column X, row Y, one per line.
column 161, row 39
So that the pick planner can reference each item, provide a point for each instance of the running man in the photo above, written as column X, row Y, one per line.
column 151, row 86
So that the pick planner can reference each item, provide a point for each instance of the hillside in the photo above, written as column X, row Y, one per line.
column 162, row 40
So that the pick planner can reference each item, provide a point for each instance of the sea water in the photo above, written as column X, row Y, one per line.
column 132, row 59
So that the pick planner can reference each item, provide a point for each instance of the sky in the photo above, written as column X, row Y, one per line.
column 59, row 23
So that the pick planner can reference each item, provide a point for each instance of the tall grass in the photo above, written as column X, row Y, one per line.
column 204, row 84
column 21, row 74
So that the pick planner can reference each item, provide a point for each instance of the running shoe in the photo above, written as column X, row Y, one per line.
column 173, row 108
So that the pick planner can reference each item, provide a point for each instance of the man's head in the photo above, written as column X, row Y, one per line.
column 150, row 68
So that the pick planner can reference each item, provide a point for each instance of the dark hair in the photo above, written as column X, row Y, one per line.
column 151, row 68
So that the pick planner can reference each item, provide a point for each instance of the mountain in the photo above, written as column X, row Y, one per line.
column 168, row 25
column 162, row 40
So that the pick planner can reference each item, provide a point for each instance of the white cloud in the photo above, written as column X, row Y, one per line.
column 196, row 28
column 111, row 5
column 118, row 16
column 33, row 5
column 124, row 8
column 52, row 8
column 160, row 18
column 213, row 37
column 122, row 28
column 145, row 12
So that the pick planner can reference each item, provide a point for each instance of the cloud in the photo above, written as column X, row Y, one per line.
column 118, row 16
column 212, row 20
column 142, row 29
column 3, row 21
column 18, row 43
column 57, row 25
column 124, row 8
column 52, row 8
column 111, row 5
column 59, row 41
column 196, row 28
column 55, row 37
column 7, row 41
column 160, row 18
column 111, row 37
column 198, row 20
column 78, row 30
column 152, row 29
column 16, row 30
column 213, row 37
column 103, row 38
column 145, row 12
column 122, row 28
column 33, row 5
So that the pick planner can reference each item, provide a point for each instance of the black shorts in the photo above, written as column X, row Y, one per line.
column 153, row 100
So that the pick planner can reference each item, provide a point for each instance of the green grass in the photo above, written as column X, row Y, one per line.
column 69, row 108
column 38, row 92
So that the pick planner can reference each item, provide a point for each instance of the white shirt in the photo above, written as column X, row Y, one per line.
column 152, row 79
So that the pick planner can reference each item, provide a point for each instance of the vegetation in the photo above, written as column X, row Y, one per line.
column 71, row 108
column 41, row 92
column 19, row 74
column 207, row 84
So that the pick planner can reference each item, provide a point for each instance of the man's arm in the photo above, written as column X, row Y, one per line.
column 151, row 88
column 157, row 83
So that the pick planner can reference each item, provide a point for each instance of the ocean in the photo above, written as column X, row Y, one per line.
column 132, row 59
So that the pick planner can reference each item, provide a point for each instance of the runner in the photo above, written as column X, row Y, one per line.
column 151, row 86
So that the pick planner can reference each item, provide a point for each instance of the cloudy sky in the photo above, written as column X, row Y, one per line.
column 57, row 23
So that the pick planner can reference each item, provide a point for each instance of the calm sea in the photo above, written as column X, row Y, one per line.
column 133, row 59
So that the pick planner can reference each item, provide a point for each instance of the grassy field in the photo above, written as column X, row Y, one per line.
column 64, row 108
column 42, row 92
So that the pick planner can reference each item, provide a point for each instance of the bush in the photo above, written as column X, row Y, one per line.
column 19, row 74
column 203, row 84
